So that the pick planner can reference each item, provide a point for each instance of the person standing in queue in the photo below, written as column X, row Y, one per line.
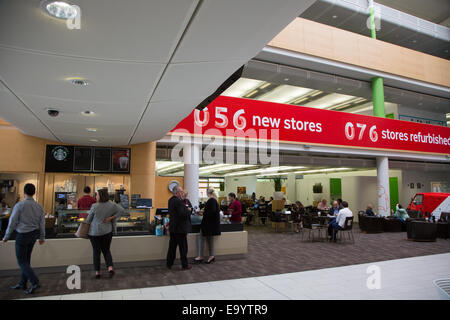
column 28, row 220
column 179, row 227
column 209, row 227
column 102, row 218
column 234, row 209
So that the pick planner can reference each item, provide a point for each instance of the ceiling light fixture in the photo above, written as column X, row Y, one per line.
column 79, row 82
column 88, row 113
column 265, row 85
column 251, row 93
column 93, row 140
column 92, row 129
column 59, row 9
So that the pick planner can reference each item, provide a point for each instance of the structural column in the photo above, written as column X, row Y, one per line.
column 191, row 154
column 384, row 202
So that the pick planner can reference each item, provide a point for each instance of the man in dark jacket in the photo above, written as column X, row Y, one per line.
column 179, row 227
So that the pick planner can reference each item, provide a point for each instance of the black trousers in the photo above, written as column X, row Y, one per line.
column 24, row 246
column 102, row 244
column 180, row 240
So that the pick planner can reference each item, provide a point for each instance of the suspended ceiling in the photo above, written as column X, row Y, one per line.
column 147, row 63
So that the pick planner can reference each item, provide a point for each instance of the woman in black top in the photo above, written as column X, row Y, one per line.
column 209, row 227
column 297, row 211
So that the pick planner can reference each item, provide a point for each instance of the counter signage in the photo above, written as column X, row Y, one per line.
column 254, row 119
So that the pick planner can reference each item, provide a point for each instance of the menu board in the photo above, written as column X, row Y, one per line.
column 102, row 159
column 59, row 158
column 83, row 159
column 121, row 160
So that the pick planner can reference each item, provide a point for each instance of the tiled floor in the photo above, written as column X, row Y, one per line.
column 410, row 279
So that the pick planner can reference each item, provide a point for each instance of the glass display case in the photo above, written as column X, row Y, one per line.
column 133, row 222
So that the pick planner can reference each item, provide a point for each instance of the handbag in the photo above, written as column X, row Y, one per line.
column 83, row 230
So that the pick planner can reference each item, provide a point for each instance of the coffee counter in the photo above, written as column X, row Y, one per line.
column 74, row 251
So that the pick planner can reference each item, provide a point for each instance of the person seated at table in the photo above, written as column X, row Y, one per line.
column 338, row 224
column 334, row 210
column 297, row 211
column 369, row 211
column 322, row 206
column 262, row 209
column 400, row 213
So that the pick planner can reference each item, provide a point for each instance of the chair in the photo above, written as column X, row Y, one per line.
column 262, row 214
column 276, row 219
column 348, row 227
column 370, row 224
column 443, row 225
column 392, row 225
column 421, row 231
column 307, row 222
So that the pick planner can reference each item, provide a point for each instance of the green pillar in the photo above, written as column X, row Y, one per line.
column 378, row 97
column 377, row 82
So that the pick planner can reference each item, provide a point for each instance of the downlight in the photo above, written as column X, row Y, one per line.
column 59, row 9
column 79, row 82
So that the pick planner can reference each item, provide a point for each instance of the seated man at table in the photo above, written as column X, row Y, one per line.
column 334, row 210
column 369, row 211
column 338, row 224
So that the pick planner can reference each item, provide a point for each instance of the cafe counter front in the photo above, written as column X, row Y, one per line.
column 63, row 252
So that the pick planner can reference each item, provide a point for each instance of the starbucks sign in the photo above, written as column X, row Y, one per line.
column 60, row 153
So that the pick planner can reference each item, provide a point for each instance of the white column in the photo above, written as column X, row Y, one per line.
column 384, row 202
column 291, row 191
column 191, row 153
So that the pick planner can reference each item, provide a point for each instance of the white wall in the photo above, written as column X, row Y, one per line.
column 231, row 184
column 359, row 188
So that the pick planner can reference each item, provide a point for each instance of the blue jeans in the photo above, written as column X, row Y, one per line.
column 24, row 246
column 333, row 228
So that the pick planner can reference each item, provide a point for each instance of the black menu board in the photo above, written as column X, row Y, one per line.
column 102, row 159
column 83, row 159
column 59, row 158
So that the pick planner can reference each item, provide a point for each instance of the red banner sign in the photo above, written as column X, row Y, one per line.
column 254, row 119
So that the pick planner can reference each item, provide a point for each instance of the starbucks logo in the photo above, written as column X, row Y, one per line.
column 60, row 153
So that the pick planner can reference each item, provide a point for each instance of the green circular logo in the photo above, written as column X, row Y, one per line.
column 60, row 153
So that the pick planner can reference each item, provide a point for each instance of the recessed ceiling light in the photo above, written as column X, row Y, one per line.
column 93, row 140
column 414, row 41
column 91, row 129
column 79, row 82
column 88, row 113
column 339, row 89
column 286, row 79
column 59, row 9
column 334, row 17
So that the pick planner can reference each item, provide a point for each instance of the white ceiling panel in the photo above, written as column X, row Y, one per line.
column 194, row 80
column 235, row 29
column 13, row 111
column 71, row 110
column 102, row 140
column 134, row 55
column 156, row 119
column 139, row 30
column 46, row 75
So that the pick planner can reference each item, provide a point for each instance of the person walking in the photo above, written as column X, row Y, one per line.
column 179, row 227
column 102, row 218
column 28, row 220
column 209, row 227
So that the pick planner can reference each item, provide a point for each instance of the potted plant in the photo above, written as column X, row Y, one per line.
column 278, row 195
